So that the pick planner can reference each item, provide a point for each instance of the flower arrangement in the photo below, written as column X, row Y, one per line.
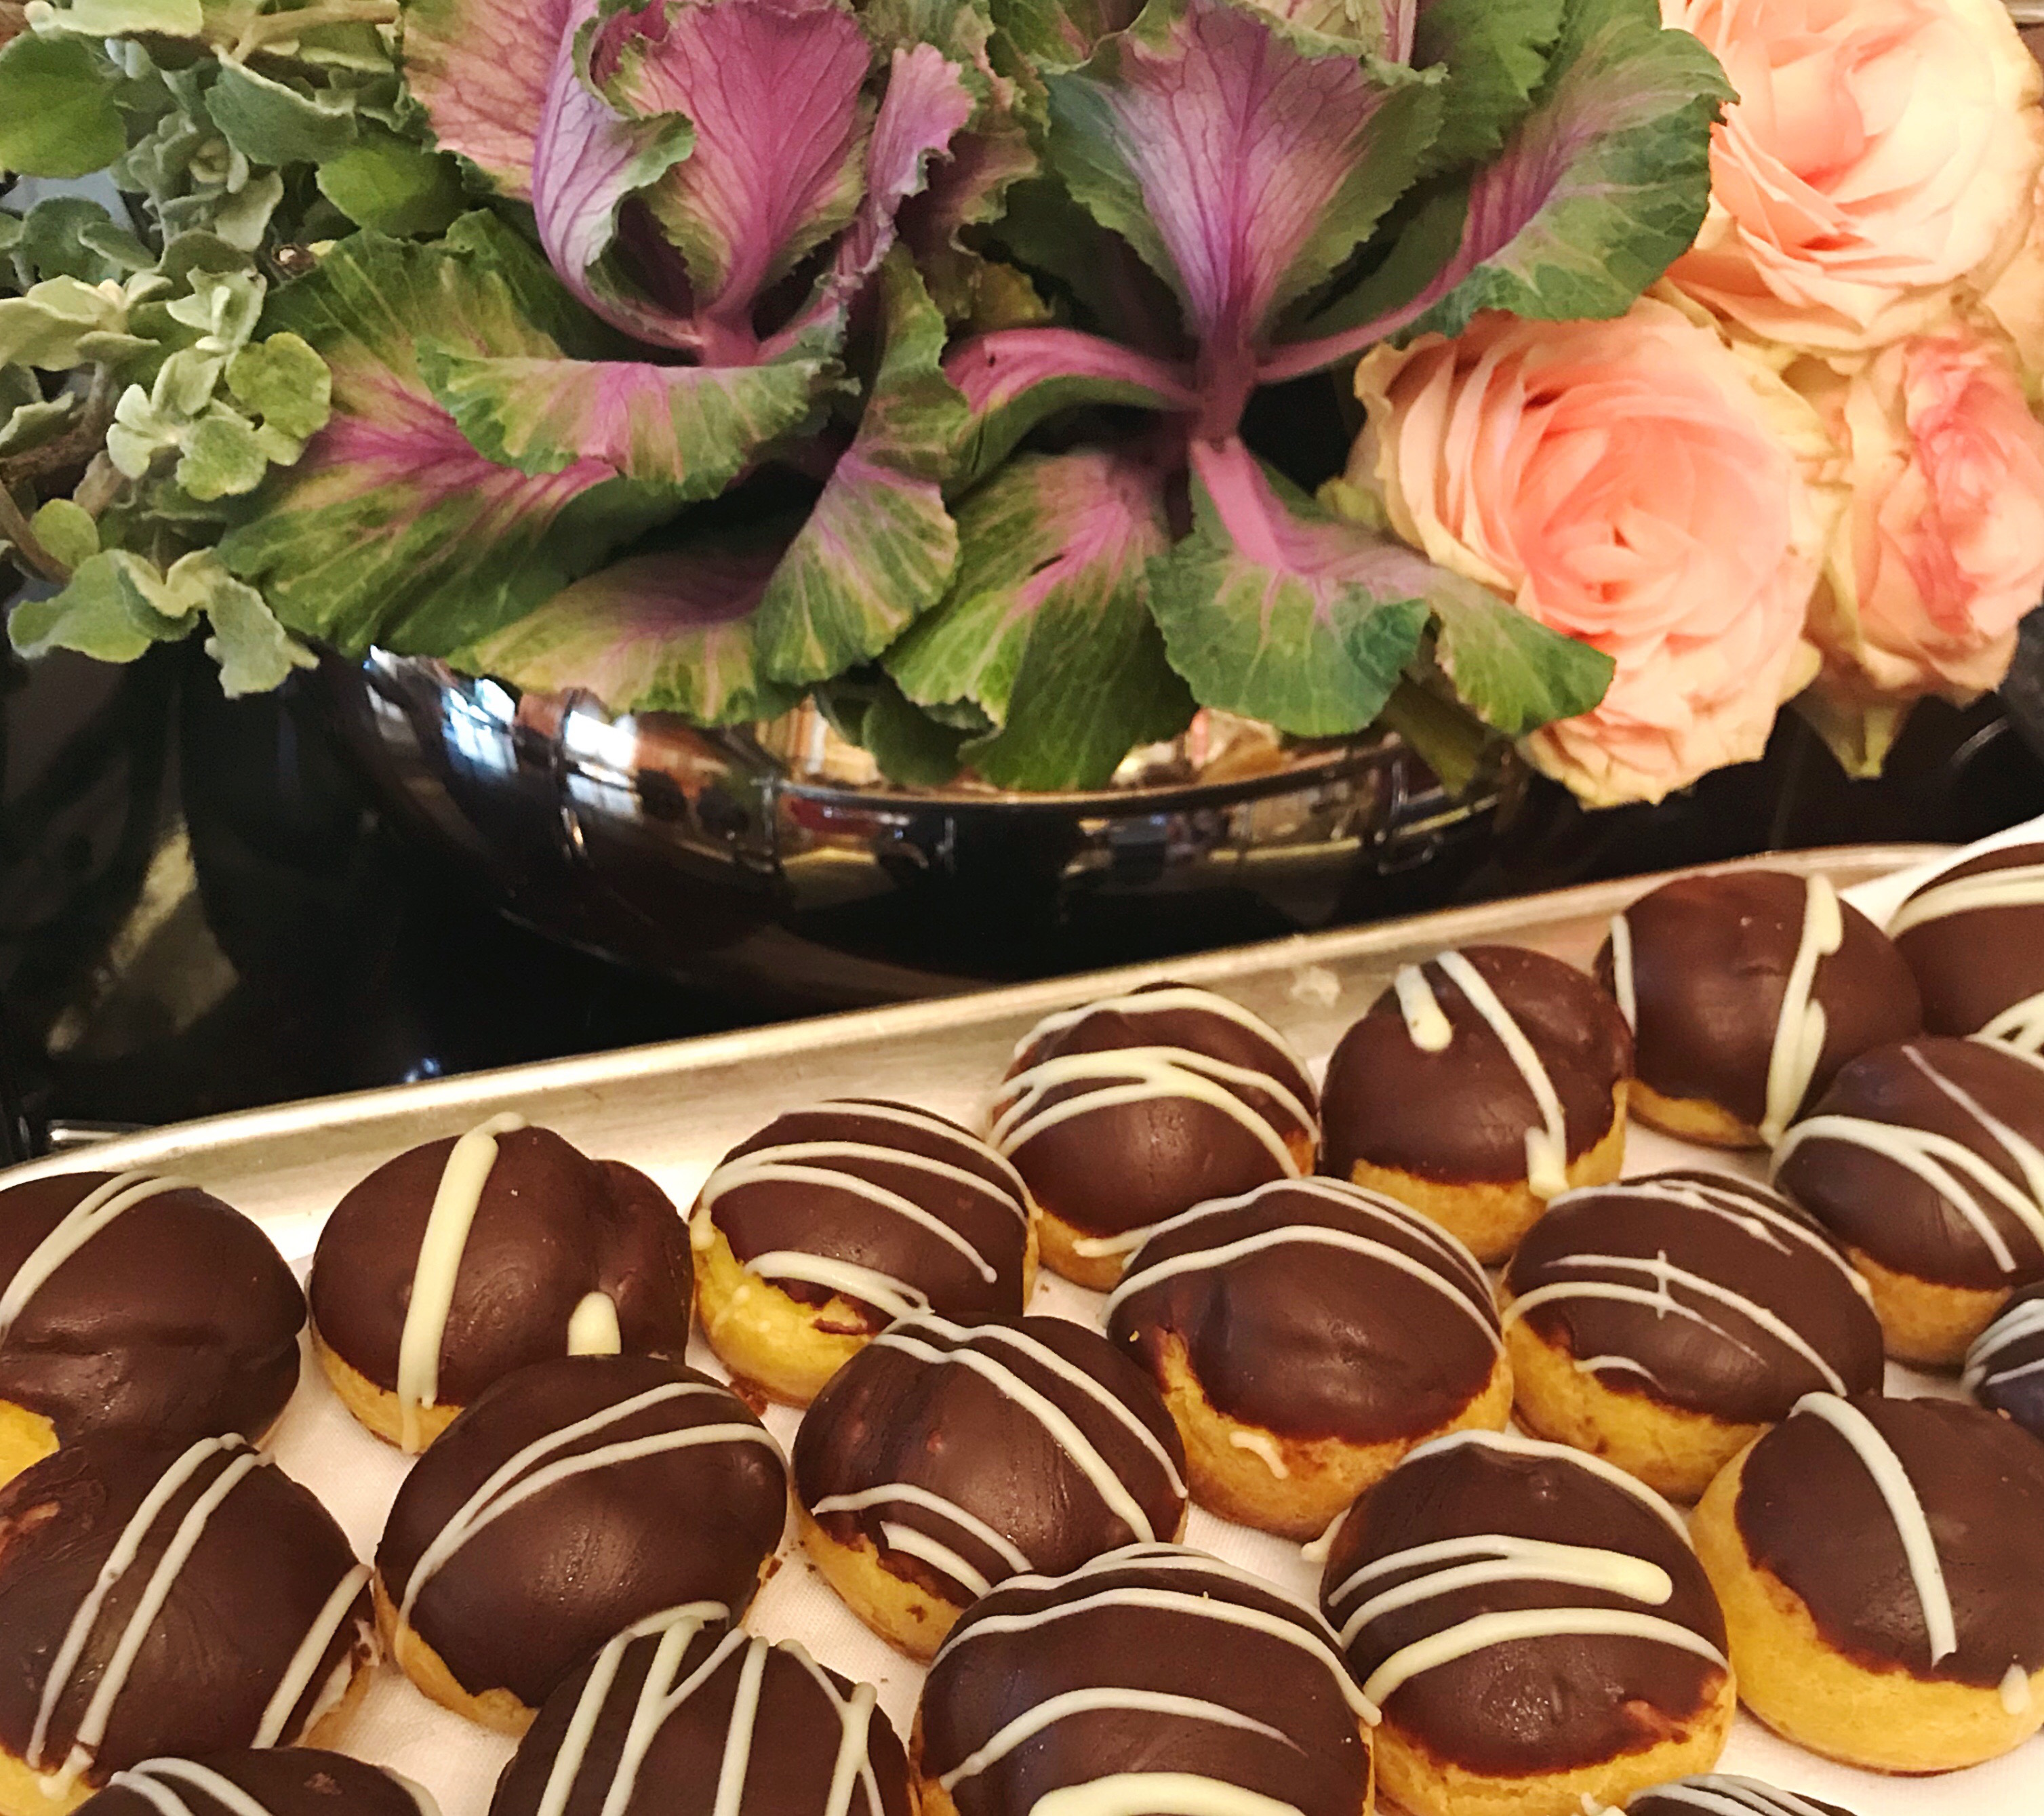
column 706, row 354
column 1806, row 464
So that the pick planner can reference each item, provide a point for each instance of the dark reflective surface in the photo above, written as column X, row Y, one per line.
column 203, row 906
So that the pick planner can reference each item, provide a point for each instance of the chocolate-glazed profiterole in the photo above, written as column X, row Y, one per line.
column 1876, row 1559
column 1132, row 1109
column 460, row 1261
column 1665, row 1323
column 1534, row 1626
column 693, row 1716
column 158, row 1601
column 1305, row 1337
column 1746, row 991
column 1479, row 1086
column 2005, row 1366
column 1974, row 937
column 261, row 1781
column 941, row 1460
column 1154, row 1678
column 1925, row 1159
column 1724, row 1793
column 833, row 1221
column 573, row 1499
column 137, row 1305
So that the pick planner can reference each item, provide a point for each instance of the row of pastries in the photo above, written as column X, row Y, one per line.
column 1298, row 1333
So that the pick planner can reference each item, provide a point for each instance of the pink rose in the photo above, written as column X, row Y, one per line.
column 1881, row 152
column 1636, row 483
column 1943, row 549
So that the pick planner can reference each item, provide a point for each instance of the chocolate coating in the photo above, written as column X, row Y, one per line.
column 1812, row 1515
column 910, row 1410
column 853, row 1152
column 1711, row 959
column 1719, row 1794
column 2005, row 1366
column 539, row 1587
column 1874, row 1203
column 284, row 1781
column 1156, row 1619
column 266, row 1561
column 1554, row 1703
column 1973, row 963
column 1307, row 1336
column 553, row 1227
column 1460, row 1115
column 1714, row 1357
column 176, row 1319
column 803, row 1716
column 1121, row 1166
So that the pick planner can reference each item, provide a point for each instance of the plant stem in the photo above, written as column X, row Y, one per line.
column 14, row 527
column 268, row 27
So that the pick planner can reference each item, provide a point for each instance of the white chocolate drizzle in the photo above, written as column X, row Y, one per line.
column 299, row 1674
column 1723, row 1793
column 149, row 1781
column 2020, row 1026
column 1622, row 985
column 1660, row 1299
column 911, row 1338
column 1801, row 1025
column 1956, row 1172
column 1304, row 1628
column 659, row 1696
column 463, row 1180
column 528, row 1472
column 1512, row 1443
column 2016, row 1689
column 1449, row 1565
column 868, row 1285
column 1018, row 1113
column 2019, row 1324
column 1547, row 1145
column 593, row 1326
column 2016, row 885
column 1263, row 1447
column 1428, row 1026
column 1138, row 1793
column 921, row 1544
column 112, row 1199
column 1052, row 1710
column 1912, row 1525
column 1474, row 1302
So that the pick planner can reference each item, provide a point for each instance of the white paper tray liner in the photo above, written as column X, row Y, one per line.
column 356, row 1476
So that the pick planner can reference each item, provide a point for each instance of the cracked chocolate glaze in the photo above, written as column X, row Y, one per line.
column 965, row 1456
column 1148, row 1664
column 1426, row 1083
column 275, row 1781
column 142, row 1306
column 1712, row 960
column 1699, row 1291
column 157, row 1600
column 1132, row 1109
column 1928, row 1156
column 570, row 1500
column 1314, row 1309
column 551, row 1226
column 1725, row 1794
column 1974, row 937
column 895, row 1209
column 1520, row 1609
column 2005, row 1366
column 1910, row 1528
column 695, row 1717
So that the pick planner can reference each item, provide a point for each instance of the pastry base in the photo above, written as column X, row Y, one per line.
column 1692, row 1118
column 1811, row 1693
column 26, row 1438
column 905, row 1614
column 496, row 1709
column 1921, row 1322
column 771, row 1341
column 1418, row 1782
column 1491, row 1216
column 1323, row 1476
column 1063, row 1256
column 375, row 1408
column 1669, row 1448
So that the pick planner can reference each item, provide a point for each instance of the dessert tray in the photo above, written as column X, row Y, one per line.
column 673, row 1110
